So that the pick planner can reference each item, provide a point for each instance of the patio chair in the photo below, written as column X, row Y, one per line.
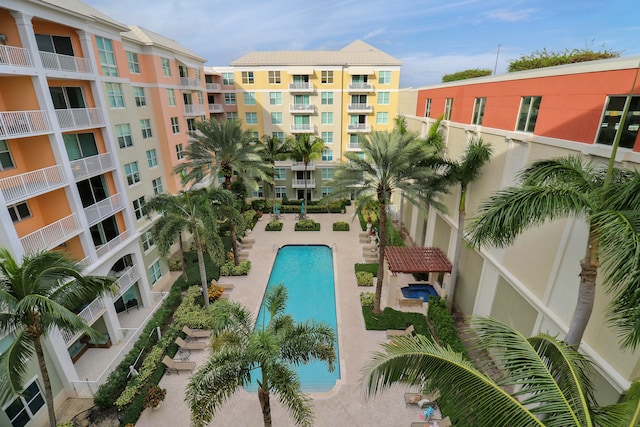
column 194, row 334
column 393, row 333
column 193, row 345
column 177, row 366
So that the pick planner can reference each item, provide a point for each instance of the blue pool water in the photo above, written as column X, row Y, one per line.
column 307, row 273
column 422, row 291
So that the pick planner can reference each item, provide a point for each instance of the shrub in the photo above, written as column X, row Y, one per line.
column 369, row 267
column 364, row 278
column 443, row 326
column 307, row 225
column 340, row 226
column 367, row 299
column 392, row 319
column 543, row 58
column 229, row 269
column 466, row 74
column 215, row 292
column 250, row 218
column 260, row 205
column 154, row 396
column 274, row 225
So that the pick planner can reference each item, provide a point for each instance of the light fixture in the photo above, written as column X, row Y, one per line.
column 3, row 38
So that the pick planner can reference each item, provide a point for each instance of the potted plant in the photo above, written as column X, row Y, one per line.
column 154, row 396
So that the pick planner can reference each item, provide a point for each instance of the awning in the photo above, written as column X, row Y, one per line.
column 301, row 71
column 416, row 260
column 361, row 71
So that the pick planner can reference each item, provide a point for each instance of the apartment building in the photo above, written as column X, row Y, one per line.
column 333, row 95
column 526, row 116
column 93, row 117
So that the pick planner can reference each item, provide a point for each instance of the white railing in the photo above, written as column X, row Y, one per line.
column 354, row 145
column 302, row 108
column 30, row 183
column 16, row 56
column 360, row 87
column 300, row 183
column 193, row 109
column 107, row 247
column 190, row 82
column 89, row 314
column 78, row 118
column 52, row 235
column 303, row 128
column 54, row 61
column 128, row 278
column 360, row 107
column 301, row 86
column 23, row 123
column 90, row 166
column 358, row 127
column 216, row 108
column 103, row 209
column 299, row 166
column 214, row 86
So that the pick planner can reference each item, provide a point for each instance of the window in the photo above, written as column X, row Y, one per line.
column 114, row 94
column 123, row 134
column 382, row 118
column 326, row 191
column 196, row 72
column 327, row 155
column 250, row 98
column 145, row 126
column 200, row 98
column 105, row 231
column 279, row 135
column 383, row 98
column 171, row 98
column 610, row 124
column 92, row 190
column 138, row 207
column 132, row 60
column 427, row 108
column 23, row 408
column 19, row 212
column 179, row 152
column 255, row 136
column 175, row 125
column 354, row 141
column 384, row 77
column 327, row 173
column 55, row 44
column 132, row 173
column 448, row 106
column 276, row 118
column 478, row 111
column 147, row 240
column 281, row 192
column 152, row 158
column 230, row 98
column 327, row 118
column 107, row 56
column 259, row 193
column 326, row 76
column 78, row 145
column 138, row 94
column 166, row 67
column 274, row 77
column 156, row 184
column 232, row 115
column 247, row 77
column 275, row 98
column 6, row 161
column 228, row 79
column 279, row 174
column 327, row 98
column 155, row 272
column 251, row 118
column 327, row 137
column 191, row 125
column 528, row 113
column 65, row 97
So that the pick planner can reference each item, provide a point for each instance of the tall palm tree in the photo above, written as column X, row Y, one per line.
column 35, row 298
column 273, row 150
column 305, row 148
column 191, row 212
column 570, row 187
column 391, row 162
column 542, row 381
column 224, row 148
column 464, row 171
column 238, row 348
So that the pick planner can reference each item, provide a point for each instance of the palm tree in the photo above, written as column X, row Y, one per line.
column 273, row 150
column 542, row 381
column 36, row 298
column 224, row 148
column 464, row 171
column 238, row 348
column 391, row 162
column 570, row 187
column 305, row 148
column 190, row 212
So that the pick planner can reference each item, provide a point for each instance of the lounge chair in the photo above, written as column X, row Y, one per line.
column 194, row 334
column 392, row 333
column 177, row 366
column 193, row 345
column 412, row 398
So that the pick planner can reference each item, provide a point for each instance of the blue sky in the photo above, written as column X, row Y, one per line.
column 432, row 38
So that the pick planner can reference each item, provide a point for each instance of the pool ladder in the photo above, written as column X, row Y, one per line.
column 334, row 247
column 276, row 247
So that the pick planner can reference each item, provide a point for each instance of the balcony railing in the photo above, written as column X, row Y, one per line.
column 54, row 61
column 355, row 108
column 23, row 123
column 90, row 313
column 300, row 183
column 91, row 166
column 31, row 183
column 189, row 82
column 103, row 209
column 52, row 235
column 216, row 108
column 358, row 127
column 299, row 166
column 354, row 146
column 301, row 87
column 214, row 87
column 360, row 87
column 303, row 128
column 193, row 109
column 129, row 277
column 107, row 247
column 302, row 108
column 15, row 56
column 79, row 118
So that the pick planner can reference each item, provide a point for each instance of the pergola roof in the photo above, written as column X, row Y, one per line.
column 416, row 260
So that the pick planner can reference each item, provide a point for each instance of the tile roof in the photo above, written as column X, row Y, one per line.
column 416, row 260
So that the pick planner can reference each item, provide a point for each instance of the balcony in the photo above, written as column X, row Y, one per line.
column 103, row 209
column 29, row 184
column 129, row 276
column 91, row 166
column 303, row 128
column 74, row 64
column 214, row 87
column 300, row 183
column 111, row 244
column 52, row 235
column 89, row 314
column 301, row 87
column 360, row 87
column 16, row 124
column 359, row 108
column 358, row 127
column 79, row 118
column 189, row 82
column 302, row 108
column 14, row 56
column 354, row 146
column 193, row 109
column 299, row 166
column 216, row 108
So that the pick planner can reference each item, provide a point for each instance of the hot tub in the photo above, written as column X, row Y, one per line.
column 419, row 291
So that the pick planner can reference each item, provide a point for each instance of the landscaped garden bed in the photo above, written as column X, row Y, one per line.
column 274, row 226
column 307, row 225
column 390, row 318
column 340, row 226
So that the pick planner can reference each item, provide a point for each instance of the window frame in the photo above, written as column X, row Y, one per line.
column 248, row 77
column 156, row 185
column 123, row 135
column 230, row 98
column 326, row 118
column 628, row 137
column 384, row 98
column 132, row 173
column 327, row 156
column 26, row 405
column 152, row 158
column 532, row 112
column 107, row 56
column 155, row 271
column 448, row 109
column 228, row 79
column 326, row 98
column 180, row 151
column 138, row 207
column 115, row 95
column 275, row 77
column 165, row 64
column 148, row 242
column 479, row 105
column 275, row 98
column 16, row 215
column 139, row 96
column 276, row 118
column 384, row 77
column 249, row 98
column 327, row 137
column 171, row 98
column 382, row 118
column 175, row 125
column 5, row 153
column 145, row 128
column 253, row 116
column 326, row 77
column 427, row 107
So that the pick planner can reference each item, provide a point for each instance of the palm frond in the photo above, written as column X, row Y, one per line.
column 304, row 342
column 623, row 414
column 285, row 384
column 569, row 171
column 14, row 364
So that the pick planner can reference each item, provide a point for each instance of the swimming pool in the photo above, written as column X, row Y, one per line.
column 307, row 273
column 419, row 290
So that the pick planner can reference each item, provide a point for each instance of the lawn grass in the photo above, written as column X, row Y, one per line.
column 369, row 268
column 393, row 319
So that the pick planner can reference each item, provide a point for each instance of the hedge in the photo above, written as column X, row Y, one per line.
column 274, row 226
column 340, row 226
column 444, row 328
column 390, row 318
column 307, row 225
column 369, row 267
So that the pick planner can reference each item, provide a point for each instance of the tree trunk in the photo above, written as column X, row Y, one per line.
column 48, row 394
column 456, row 255
column 203, row 273
column 382, row 225
column 232, row 228
column 305, row 189
column 183, row 261
column 586, row 293
column 263, row 396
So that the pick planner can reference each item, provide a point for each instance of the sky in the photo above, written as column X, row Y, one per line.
column 430, row 37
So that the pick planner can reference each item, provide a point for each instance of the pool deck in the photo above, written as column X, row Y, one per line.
column 345, row 405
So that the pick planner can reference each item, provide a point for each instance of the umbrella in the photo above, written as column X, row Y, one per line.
column 302, row 209
column 276, row 209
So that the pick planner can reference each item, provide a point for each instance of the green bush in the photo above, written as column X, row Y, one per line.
column 250, row 218
column 391, row 319
column 370, row 267
column 261, row 205
column 443, row 326
column 340, row 226
column 307, row 225
column 364, row 278
column 543, row 58
column 274, row 225
column 367, row 299
column 466, row 74
column 229, row 269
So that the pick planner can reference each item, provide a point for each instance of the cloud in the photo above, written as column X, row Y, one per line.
column 510, row 15
column 374, row 33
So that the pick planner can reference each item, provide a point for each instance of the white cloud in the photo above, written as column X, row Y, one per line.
column 510, row 15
